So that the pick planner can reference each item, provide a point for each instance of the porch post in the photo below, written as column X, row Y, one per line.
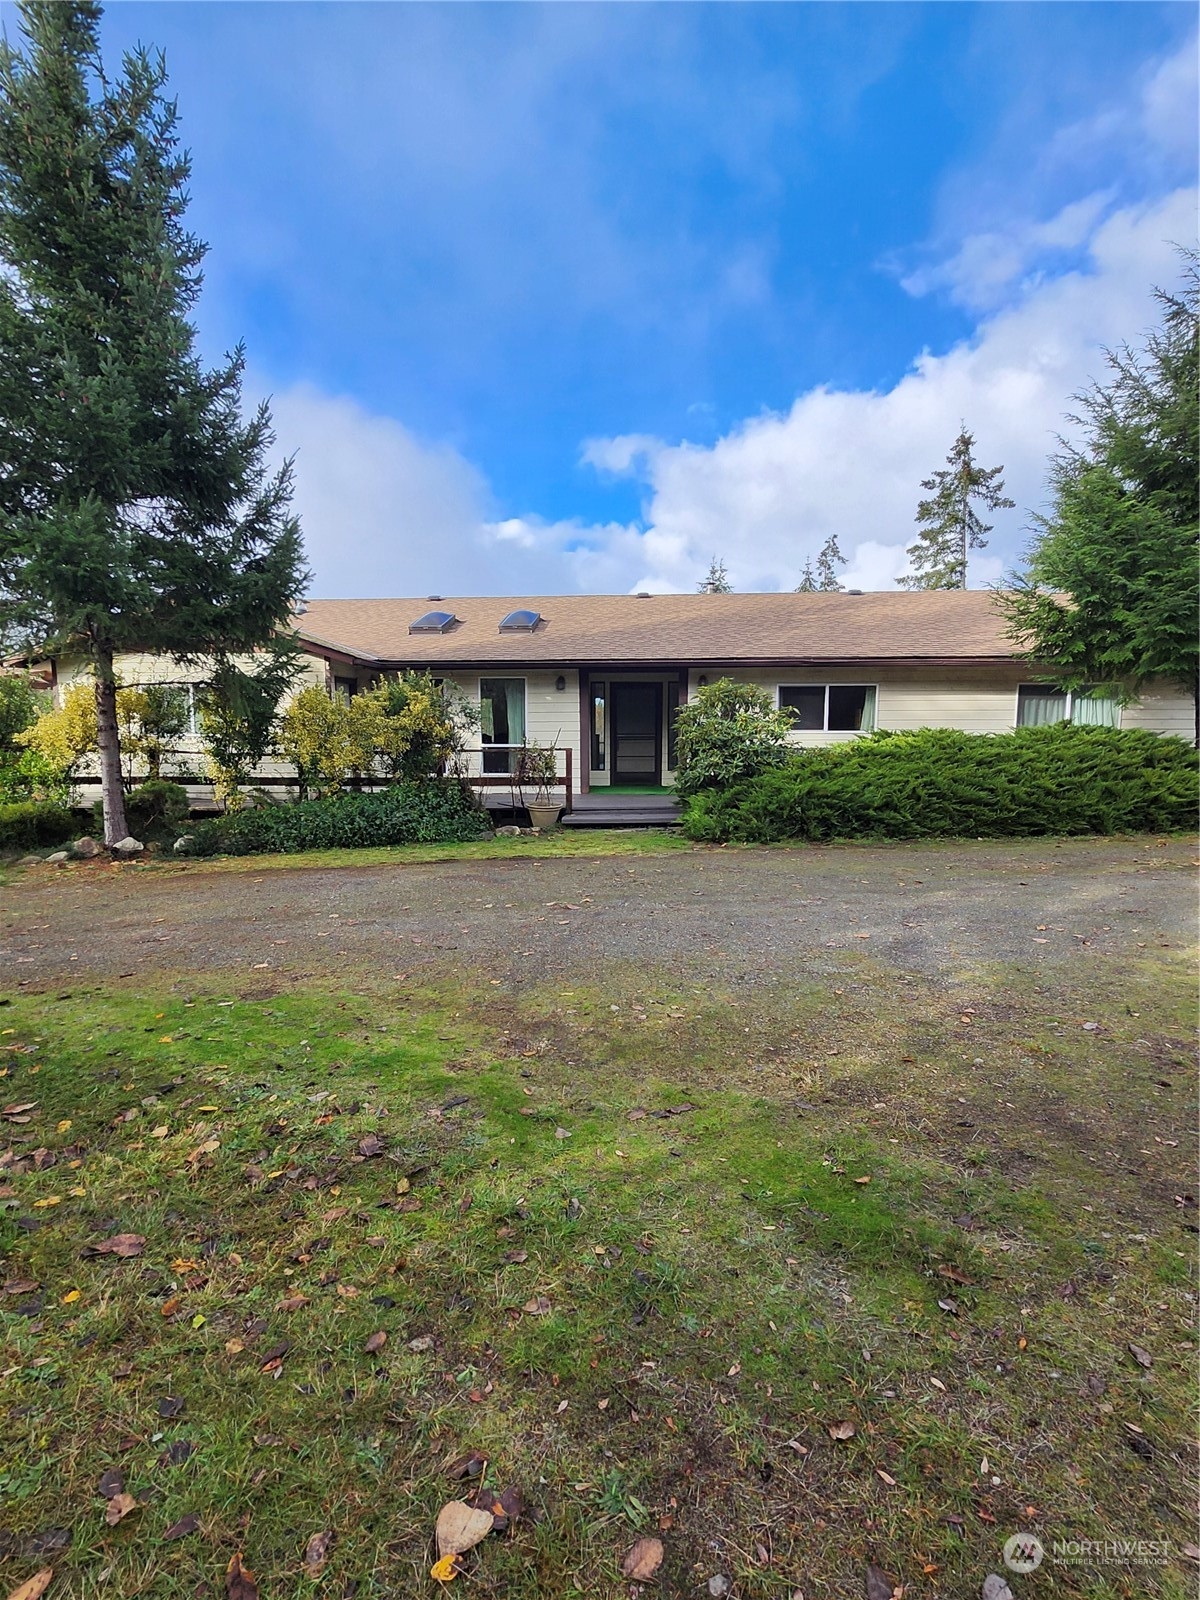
column 585, row 729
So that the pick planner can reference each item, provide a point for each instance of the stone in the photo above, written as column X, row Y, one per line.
column 719, row 1585
column 996, row 1588
column 184, row 845
column 30, row 861
column 86, row 849
column 58, row 857
column 508, row 832
column 128, row 847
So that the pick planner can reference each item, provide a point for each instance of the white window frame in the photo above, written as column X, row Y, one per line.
column 825, row 728
column 188, row 688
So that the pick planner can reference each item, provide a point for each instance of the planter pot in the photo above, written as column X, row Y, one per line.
column 543, row 815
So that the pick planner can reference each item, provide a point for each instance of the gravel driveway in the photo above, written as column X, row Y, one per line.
column 751, row 915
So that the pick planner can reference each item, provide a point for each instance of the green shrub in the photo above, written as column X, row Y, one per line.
column 433, row 812
column 30, row 823
column 938, row 783
column 157, row 809
column 726, row 733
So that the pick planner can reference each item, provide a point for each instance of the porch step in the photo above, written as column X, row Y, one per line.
column 597, row 810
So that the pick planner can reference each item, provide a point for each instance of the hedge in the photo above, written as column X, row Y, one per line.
column 26, row 824
column 938, row 783
column 434, row 812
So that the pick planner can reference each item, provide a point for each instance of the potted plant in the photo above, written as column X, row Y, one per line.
column 536, row 769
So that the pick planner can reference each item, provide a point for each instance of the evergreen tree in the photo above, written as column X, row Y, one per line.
column 829, row 559
column 949, row 523
column 1111, row 590
column 808, row 580
column 717, row 581
column 137, row 511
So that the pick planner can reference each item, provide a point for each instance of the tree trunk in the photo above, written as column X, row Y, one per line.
column 112, row 790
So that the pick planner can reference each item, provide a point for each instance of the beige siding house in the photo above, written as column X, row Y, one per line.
column 601, row 676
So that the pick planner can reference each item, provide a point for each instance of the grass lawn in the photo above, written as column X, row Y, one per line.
column 796, row 1282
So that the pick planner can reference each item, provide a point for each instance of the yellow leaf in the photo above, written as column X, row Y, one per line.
column 166, row 1039
column 208, row 1108
column 184, row 1264
column 71, row 1296
column 445, row 1569
column 160, row 1132
column 234, row 1347
column 78, row 1191
column 199, row 1320
column 64, row 1125
column 50, row 1200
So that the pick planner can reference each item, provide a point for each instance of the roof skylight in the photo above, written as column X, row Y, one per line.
column 433, row 622
column 520, row 622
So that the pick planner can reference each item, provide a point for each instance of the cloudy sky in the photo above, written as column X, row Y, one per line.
column 561, row 297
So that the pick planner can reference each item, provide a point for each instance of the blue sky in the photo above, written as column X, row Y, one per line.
column 574, row 296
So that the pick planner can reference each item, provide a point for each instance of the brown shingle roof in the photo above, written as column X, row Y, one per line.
column 940, row 625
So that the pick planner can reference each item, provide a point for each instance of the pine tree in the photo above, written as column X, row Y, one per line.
column 717, row 581
column 137, row 511
column 949, row 524
column 1111, row 591
column 829, row 559
column 808, row 580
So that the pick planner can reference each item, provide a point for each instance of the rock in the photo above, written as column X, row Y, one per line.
column 719, row 1585
column 59, row 857
column 86, row 849
column 996, row 1588
column 30, row 861
column 184, row 845
column 508, row 832
column 128, row 847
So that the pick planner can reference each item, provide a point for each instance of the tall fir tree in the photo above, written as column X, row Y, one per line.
column 717, row 581
column 949, row 523
column 137, row 508
column 1111, row 591
column 808, row 580
column 829, row 559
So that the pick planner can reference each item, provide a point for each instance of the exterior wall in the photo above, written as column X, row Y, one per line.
column 551, row 714
column 973, row 699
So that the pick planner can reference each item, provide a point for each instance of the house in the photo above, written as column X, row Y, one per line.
column 601, row 676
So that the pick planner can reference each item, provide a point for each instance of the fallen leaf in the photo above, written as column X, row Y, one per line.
column 539, row 1306
column 239, row 1580
column 180, row 1530
column 71, row 1296
column 21, row 1286
column 33, row 1588
column 1142, row 1357
column 48, row 1200
column 643, row 1560
column 375, row 1342
column 867, row 1179
column 421, row 1344
column 120, row 1244
column 170, row 1406
column 879, row 1585
column 293, row 1302
column 111, row 1483
column 445, row 1569
column 514, row 1258
column 370, row 1145
column 841, row 1430
column 316, row 1552
column 955, row 1275
column 460, row 1527
column 562, row 1133
column 468, row 1466
column 119, row 1507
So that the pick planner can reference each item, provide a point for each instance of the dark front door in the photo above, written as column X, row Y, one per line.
column 636, row 720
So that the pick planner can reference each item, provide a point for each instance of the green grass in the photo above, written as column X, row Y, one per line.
column 723, row 1287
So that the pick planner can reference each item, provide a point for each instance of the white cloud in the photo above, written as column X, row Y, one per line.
column 849, row 463
column 387, row 513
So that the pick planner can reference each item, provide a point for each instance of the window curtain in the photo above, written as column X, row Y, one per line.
column 514, row 695
column 1038, row 708
column 867, row 725
column 1094, row 708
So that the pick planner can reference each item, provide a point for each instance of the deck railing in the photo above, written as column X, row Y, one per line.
column 479, row 779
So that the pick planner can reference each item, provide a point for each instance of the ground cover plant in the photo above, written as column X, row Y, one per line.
column 859, row 1268
column 939, row 783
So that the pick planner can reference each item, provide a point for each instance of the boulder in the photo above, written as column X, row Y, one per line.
column 58, row 857
column 86, row 849
column 184, row 845
column 508, row 832
column 30, row 861
column 128, row 847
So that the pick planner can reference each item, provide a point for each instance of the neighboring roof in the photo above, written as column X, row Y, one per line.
column 923, row 625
